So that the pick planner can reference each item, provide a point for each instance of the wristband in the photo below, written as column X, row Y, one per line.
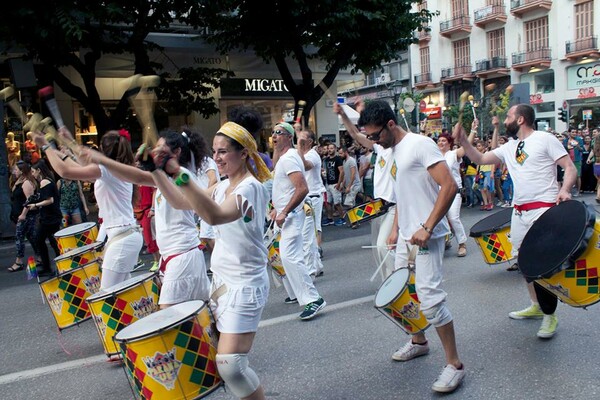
column 45, row 147
column 182, row 179
column 63, row 158
column 430, row 231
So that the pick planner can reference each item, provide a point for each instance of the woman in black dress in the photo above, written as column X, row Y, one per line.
column 588, row 180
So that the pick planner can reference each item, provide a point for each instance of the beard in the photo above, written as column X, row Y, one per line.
column 512, row 129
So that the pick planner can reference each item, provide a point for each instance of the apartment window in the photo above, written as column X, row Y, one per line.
column 494, row 3
column 536, row 34
column 460, row 8
column 425, row 66
column 462, row 53
column 496, row 43
column 584, row 20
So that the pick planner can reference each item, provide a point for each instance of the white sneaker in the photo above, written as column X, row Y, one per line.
column 410, row 350
column 449, row 379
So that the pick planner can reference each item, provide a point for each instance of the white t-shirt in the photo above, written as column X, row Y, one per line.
column 349, row 163
column 283, row 189
column 114, row 198
column 414, row 188
column 313, row 175
column 240, row 255
column 534, row 174
column 366, row 159
column 208, row 164
column 383, row 181
column 176, row 230
column 454, row 165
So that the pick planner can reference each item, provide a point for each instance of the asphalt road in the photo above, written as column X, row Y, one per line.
column 345, row 352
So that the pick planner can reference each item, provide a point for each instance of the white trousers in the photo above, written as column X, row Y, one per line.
column 292, row 258
column 381, row 227
column 453, row 216
column 520, row 224
column 310, row 245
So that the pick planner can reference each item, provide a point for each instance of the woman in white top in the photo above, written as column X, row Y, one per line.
column 208, row 175
column 182, row 265
column 236, row 207
column 453, row 159
column 114, row 198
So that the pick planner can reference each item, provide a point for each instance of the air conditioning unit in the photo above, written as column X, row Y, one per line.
column 385, row 78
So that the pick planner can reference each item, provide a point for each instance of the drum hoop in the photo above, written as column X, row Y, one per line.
column 492, row 229
column 90, row 226
column 398, row 294
column 163, row 329
column 149, row 275
column 75, row 252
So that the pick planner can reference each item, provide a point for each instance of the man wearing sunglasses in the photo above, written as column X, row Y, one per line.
column 531, row 161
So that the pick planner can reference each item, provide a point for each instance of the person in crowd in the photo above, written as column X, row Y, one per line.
column 50, row 215
column 334, row 178
column 531, row 161
column 594, row 158
column 351, row 185
column 115, row 199
column 424, row 190
column 588, row 180
column 23, row 191
column 71, row 197
column 365, row 172
column 574, row 145
column 182, row 265
column 289, row 191
column 485, row 179
column 144, row 210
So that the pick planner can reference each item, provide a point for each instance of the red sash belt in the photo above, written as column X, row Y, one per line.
column 165, row 261
column 533, row 206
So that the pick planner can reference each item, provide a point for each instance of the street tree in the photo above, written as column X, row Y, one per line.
column 349, row 35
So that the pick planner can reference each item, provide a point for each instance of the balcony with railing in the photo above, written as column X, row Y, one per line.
column 423, row 80
column 455, row 25
column 492, row 67
column 520, row 7
column 460, row 73
column 586, row 47
column 492, row 13
column 423, row 36
column 536, row 58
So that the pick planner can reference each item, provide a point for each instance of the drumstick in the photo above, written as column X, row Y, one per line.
column 32, row 124
column 381, row 265
column 140, row 94
column 464, row 97
column 471, row 100
column 47, row 95
column 404, row 118
column 301, row 104
column 327, row 93
column 9, row 96
column 375, row 247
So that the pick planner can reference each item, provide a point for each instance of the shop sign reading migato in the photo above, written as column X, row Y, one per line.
column 254, row 87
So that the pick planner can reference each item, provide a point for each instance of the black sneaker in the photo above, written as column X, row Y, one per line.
column 321, row 250
column 290, row 301
column 311, row 309
column 327, row 222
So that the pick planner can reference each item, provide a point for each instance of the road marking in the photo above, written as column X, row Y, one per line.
column 65, row 366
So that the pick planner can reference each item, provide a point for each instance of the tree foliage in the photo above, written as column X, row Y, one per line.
column 354, row 35
column 77, row 34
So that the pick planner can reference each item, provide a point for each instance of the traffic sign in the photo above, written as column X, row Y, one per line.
column 565, row 105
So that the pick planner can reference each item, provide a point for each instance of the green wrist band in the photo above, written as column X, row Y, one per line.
column 182, row 179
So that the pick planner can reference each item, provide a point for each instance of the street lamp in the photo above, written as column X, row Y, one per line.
column 395, row 92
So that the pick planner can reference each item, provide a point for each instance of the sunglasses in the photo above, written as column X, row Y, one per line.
column 519, row 151
column 375, row 136
column 279, row 132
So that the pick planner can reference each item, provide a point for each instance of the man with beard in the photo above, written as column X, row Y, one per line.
column 531, row 161
column 424, row 190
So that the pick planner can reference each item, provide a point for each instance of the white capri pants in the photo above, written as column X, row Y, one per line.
column 310, row 246
column 520, row 224
column 453, row 216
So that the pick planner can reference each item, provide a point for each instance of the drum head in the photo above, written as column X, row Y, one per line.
column 159, row 321
column 120, row 287
column 73, row 229
column 391, row 287
column 556, row 236
column 79, row 250
column 491, row 224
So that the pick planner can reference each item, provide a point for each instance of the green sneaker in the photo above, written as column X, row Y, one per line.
column 155, row 266
column 532, row 312
column 548, row 327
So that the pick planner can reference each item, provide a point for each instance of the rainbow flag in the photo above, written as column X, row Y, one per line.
column 31, row 268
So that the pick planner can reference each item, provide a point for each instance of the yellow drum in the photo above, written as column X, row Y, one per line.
column 78, row 257
column 492, row 234
column 560, row 252
column 120, row 305
column 365, row 212
column 397, row 299
column 67, row 292
column 274, row 260
column 76, row 236
column 171, row 354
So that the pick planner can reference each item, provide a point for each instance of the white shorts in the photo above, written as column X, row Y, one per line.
column 520, row 224
column 239, row 309
column 334, row 196
column 185, row 279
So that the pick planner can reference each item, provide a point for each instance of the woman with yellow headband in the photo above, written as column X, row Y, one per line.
column 236, row 208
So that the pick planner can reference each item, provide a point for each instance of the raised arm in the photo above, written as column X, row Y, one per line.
column 474, row 155
column 351, row 128
column 125, row 172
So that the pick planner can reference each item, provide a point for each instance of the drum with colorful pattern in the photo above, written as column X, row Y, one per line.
column 492, row 234
column 397, row 299
column 561, row 252
column 120, row 305
column 78, row 257
column 365, row 212
column 171, row 354
column 76, row 236
column 67, row 292
column 274, row 257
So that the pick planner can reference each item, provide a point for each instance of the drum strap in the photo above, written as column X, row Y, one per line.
column 119, row 236
column 165, row 261
column 220, row 291
column 532, row 206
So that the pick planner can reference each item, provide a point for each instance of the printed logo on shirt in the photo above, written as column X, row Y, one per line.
column 381, row 162
column 393, row 170
column 522, row 157
column 158, row 199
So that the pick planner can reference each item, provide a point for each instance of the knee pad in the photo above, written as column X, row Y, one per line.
column 239, row 378
column 439, row 315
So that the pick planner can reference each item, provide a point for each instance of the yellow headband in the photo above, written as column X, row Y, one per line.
column 245, row 139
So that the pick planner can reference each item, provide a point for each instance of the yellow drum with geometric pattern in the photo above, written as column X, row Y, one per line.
column 120, row 305
column 492, row 234
column 365, row 212
column 78, row 257
column 75, row 236
column 67, row 292
column 171, row 354
column 274, row 260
